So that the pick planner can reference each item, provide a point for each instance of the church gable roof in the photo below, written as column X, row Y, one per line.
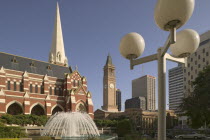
column 80, row 90
column 25, row 64
column 75, row 74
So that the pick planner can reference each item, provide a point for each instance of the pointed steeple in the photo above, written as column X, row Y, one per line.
column 57, row 52
column 109, row 60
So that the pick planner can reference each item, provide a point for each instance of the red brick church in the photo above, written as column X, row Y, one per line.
column 29, row 86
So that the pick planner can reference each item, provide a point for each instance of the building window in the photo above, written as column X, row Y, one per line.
column 195, row 71
column 203, row 50
column 31, row 88
column 60, row 92
column 191, row 76
column 199, row 65
column 74, row 84
column 8, row 85
column 191, row 59
column 188, row 73
column 195, row 53
column 207, row 53
column 36, row 89
column 207, row 62
column 188, row 65
column 192, row 68
column 42, row 89
column 15, row 88
column 199, row 56
column 55, row 91
column 50, row 90
column 195, row 62
column 21, row 86
column 203, row 59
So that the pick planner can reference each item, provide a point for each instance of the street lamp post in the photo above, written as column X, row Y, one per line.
column 169, row 16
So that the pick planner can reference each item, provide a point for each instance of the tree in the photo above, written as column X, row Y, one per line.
column 197, row 104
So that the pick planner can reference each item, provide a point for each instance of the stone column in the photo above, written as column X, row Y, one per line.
column 2, row 102
column 25, row 82
column 27, row 103
column 46, row 85
column 2, row 78
column 48, row 105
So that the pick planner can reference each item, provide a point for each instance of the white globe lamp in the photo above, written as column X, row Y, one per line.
column 173, row 13
column 187, row 43
column 132, row 45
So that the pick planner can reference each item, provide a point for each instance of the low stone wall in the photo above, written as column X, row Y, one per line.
column 107, row 130
column 33, row 131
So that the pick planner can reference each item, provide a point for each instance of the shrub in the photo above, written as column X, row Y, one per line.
column 11, row 132
column 23, row 119
column 123, row 128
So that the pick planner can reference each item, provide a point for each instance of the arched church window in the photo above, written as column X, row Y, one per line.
column 60, row 92
column 81, row 108
column 58, row 56
column 15, row 86
column 50, row 90
column 36, row 89
column 74, row 84
column 21, row 86
column 79, row 83
column 42, row 89
column 31, row 88
column 8, row 85
column 55, row 91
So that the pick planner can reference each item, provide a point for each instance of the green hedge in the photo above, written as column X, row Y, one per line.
column 106, row 123
column 123, row 126
column 11, row 132
column 23, row 119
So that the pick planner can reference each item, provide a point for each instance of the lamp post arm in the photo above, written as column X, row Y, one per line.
column 146, row 59
column 171, row 40
column 174, row 59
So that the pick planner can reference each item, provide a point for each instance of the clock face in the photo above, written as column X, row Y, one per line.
column 111, row 85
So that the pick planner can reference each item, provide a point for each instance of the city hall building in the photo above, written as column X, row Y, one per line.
column 29, row 86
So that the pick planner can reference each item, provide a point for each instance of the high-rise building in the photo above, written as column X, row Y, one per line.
column 137, row 103
column 176, row 87
column 196, row 62
column 145, row 87
column 118, row 99
column 29, row 86
column 109, row 87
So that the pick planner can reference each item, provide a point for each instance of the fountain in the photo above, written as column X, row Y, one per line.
column 70, row 125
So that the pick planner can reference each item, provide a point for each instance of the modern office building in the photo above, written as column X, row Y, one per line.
column 196, row 62
column 176, row 87
column 29, row 86
column 145, row 87
column 118, row 99
column 137, row 103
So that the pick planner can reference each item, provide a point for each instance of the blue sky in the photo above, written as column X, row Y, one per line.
column 91, row 30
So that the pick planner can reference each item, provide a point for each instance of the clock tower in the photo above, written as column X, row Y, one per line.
column 109, row 87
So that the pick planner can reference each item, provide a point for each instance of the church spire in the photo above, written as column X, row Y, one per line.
column 57, row 52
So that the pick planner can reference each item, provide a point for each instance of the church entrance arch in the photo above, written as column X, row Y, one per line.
column 57, row 109
column 15, row 109
column 37, row 109
column 81, row 107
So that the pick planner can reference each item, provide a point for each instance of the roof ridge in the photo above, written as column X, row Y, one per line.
column 32, row 59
